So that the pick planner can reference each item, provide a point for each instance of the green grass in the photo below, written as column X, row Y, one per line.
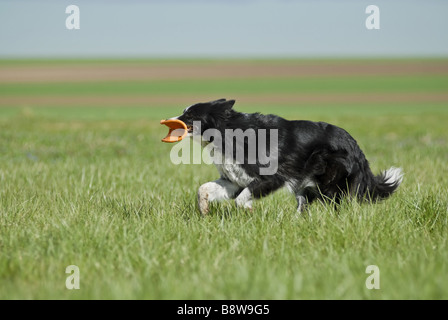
column 94, row 187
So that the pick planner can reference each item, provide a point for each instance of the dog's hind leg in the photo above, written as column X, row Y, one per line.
column 304, row 192
column 301, row 202
column 304, row 198
column 217, row 190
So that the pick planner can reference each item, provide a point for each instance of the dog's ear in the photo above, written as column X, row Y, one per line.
column 218, row 101
column 225, row 104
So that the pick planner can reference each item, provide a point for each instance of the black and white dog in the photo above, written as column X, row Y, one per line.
column 314, row 160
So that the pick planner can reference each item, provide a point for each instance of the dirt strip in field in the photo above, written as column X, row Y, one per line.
column 184, row 100
column 229, row 70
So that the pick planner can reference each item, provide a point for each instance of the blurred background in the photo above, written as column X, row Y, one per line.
column 223, row 29
column 173, row 53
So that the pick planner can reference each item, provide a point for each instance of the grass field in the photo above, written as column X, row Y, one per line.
column 85, row 180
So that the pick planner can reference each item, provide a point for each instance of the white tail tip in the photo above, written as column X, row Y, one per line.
column 393, row 176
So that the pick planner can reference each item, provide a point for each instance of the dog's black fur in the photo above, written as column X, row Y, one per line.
column 318, row 152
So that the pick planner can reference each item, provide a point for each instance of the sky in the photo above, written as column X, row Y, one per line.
column 223, row 29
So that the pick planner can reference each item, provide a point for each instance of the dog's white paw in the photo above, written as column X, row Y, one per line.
column 203, row 195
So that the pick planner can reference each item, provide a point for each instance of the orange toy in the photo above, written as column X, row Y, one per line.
column 178, row 130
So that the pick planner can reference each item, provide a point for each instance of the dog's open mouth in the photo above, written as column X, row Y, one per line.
column 190, row 129
column 177, row 130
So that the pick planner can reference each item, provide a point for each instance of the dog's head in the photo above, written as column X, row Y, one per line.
column 209, row 115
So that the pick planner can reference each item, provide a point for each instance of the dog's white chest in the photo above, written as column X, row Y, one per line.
column 234, row 173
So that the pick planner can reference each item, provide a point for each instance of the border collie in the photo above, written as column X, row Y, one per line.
column 315, row 160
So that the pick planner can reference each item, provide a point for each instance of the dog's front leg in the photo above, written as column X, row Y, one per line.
column 257, row 189
column 217, row 190
column 244, row 199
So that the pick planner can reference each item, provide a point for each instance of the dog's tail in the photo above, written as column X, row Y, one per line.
column 384, row 184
